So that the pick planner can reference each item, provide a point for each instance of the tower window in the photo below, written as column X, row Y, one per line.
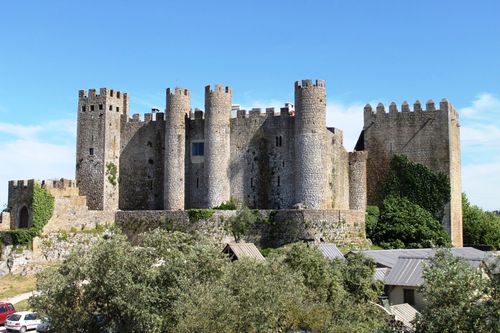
column 84, row 108
column 91, row 108
column 198, row 149
column 111, row 108
column 197, row 182
column 100, row 106
column 279, row 141
column 279, row 181
column 91, row 151
column 117, row 109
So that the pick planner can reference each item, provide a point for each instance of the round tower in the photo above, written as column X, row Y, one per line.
column 357, row 180
column 310, row 124
column 217, row 143
column 178, row 106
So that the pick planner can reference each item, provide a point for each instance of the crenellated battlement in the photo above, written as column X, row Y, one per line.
column 58, row 183
column 148, row 117
column 219, row 88
column 309, row 83
column 430, row 106
column 21, row 184
column 178, row 92
column 103, row 92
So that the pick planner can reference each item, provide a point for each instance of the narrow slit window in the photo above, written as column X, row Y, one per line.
column 84, row 108
column 91, row 151
column 197, row 182
column 279, row 181
column 280, row 140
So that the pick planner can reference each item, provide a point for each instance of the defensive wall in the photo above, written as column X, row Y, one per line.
column 275, row 228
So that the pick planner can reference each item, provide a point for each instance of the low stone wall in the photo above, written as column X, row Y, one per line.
column 275, row 228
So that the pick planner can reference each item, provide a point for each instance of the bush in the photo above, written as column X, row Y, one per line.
column 232, row 204
column 480, row 227
column 242, row 222
column 200, row 213
column 404, row 224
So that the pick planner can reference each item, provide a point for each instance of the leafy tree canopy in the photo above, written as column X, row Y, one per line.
column 176, row 282
column 404, row 224
column 480, row 227
column 458, row 298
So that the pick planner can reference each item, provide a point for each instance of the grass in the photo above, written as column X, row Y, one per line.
column 23, row 306
column 12, row 285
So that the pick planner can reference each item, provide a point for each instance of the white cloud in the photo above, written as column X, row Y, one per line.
column 483, row 105
column 348, row 118
column 40, row 151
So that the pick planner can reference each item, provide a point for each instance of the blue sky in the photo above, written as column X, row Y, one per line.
column 367, row 51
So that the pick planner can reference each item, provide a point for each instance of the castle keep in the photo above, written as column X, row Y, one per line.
column 158, row 166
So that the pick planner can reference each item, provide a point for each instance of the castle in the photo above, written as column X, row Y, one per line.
column 274, row 160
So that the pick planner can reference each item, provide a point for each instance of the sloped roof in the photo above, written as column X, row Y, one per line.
column 388, row 258
column 330, row 251
column 380, row 273
column 408, row 271
column 240, row 250
column 404, row 313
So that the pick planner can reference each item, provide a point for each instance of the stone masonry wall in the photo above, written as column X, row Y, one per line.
column 142, row 162
column 429, row 137
column 277, row 228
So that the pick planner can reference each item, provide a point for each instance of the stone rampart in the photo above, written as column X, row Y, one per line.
column 275, row 227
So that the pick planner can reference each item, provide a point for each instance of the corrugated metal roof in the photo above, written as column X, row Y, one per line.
column 330, row 251
column 240, row 250
column 380, row 273
column 408, row 271
column 388, row 258
column 404, row 313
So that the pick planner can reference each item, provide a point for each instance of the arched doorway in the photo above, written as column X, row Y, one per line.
column 24, row 217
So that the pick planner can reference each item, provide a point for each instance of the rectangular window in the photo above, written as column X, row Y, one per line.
column 117, row 109
column 111, row 108
column 409, row 296
column 100, row 106
column 84, row 108
column 91, row 108
column 91, row 151
column 198, row 149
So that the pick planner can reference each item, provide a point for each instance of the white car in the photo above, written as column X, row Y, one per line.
column 22, row 321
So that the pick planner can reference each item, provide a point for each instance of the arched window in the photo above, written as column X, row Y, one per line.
column 24, row 218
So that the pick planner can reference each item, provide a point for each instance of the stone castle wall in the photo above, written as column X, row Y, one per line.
column 429, row 137
column 255, row 157
column 276, row 228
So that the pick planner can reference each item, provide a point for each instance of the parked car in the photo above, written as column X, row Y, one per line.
column 22, row 321
column 44, row 326
column 6, row 309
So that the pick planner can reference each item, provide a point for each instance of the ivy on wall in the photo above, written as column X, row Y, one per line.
column 430, row 190
column 111, row 172
column 42, row 209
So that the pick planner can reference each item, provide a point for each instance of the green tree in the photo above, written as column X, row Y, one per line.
column 479, row 227
column 458, row 298
column 242, row 222
column 371, row 220
column 404, row 224
column 358, row 279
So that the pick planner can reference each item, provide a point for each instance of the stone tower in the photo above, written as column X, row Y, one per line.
column 217, row 143
column 98, row 146
column 357, row 180
column 427, row 136
column 310, row 124
column 178, row 106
